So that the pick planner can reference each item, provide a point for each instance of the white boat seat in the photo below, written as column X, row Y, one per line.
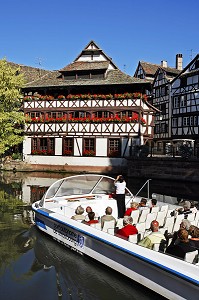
column 178, row 220
column 149, row 218
column 111, row 231
column 161, row 217
column 143, row 215
column 155, row 209
column 164, row 207
column 141, row 227
column 107, row 225
column 163, row 230
column 191, row 217
column 191, row 256
column 169, row 224
column 119, row 223
column 96, row 226
column 133, row 238
column 160, row 246
column 147, row 232
column 197, row 218
column 135, row 215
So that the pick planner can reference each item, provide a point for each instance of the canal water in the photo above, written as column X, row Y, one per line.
column 33, row 266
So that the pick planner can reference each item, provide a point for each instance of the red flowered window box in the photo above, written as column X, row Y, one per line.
column 88, row 153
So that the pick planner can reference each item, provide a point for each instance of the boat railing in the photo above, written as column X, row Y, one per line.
column 148, row 191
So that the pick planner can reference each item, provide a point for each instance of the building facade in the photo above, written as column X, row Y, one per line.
column 185, row 105
column 89, row 113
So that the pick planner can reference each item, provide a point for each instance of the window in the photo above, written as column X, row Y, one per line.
column 176, row 102
column 157, row 93
column 160, row 76
column 195, row 120
column 164, row 128
column 37, row 115
column 161, row 128
column 89, row 147
column 186, row 121
column 163, row 108
column 114, row 148
column 54, row 115
column 175, row 122
column 183, row 102
column 102, row 114
column 157, row 128
column 79, row 114
column 37, row 192
column 163, row 91
column 68, row 146
column 159, row 146
column 43, row 146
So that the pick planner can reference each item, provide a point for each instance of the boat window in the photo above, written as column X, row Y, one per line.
column 105, row 186
column 78, row 185
column 53, row 189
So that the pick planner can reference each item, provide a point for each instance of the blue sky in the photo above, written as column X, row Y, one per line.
column 51, row 34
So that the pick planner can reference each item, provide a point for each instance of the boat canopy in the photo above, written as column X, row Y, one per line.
column 86, row 184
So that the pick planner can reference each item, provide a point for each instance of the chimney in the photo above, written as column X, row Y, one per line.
column 179, row 62
column 164, row 63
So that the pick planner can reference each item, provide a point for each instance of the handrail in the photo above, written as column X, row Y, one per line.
column 148, row 190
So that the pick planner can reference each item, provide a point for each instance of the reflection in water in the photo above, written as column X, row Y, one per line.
column 33, row 266
column 74, row 276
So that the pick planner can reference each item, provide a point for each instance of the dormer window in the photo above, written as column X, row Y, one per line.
column 86, row 74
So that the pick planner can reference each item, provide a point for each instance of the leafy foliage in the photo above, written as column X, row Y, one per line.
column 11, row 119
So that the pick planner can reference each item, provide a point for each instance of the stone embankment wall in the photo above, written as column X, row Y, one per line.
column 154, row 168
column 164, row 168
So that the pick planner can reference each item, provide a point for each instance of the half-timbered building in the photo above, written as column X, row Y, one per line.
column 160, row 77
column 185, row 104
column 89, row 113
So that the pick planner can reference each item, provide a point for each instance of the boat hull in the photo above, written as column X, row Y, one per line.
column 131, row 260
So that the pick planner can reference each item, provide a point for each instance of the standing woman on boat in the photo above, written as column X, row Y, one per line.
column 120, row 185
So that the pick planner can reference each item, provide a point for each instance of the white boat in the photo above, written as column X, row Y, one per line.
column 168, row 276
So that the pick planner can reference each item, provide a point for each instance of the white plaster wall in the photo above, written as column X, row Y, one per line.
column 58, row 146
column 75, row 161
column 77, row 146
column 27, row 146
column 101, row 147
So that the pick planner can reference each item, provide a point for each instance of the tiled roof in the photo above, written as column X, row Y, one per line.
column 82, row 65
column 151, row 69
column 30, row 73
column 52, row 79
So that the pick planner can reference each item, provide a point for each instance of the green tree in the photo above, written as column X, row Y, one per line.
column 12, row 119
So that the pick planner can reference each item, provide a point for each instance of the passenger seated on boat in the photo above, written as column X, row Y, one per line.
column 179, row 250
column 128, row 229
column 194, row 239
column 108, row 216
column 142, row 204
column 89, row 209
column 185, row 224
column 193, row 207
column 79, row 214
column 153, row 203
column 186, row 209
column 155, row 237
column 133, row 206
column 91, row 216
